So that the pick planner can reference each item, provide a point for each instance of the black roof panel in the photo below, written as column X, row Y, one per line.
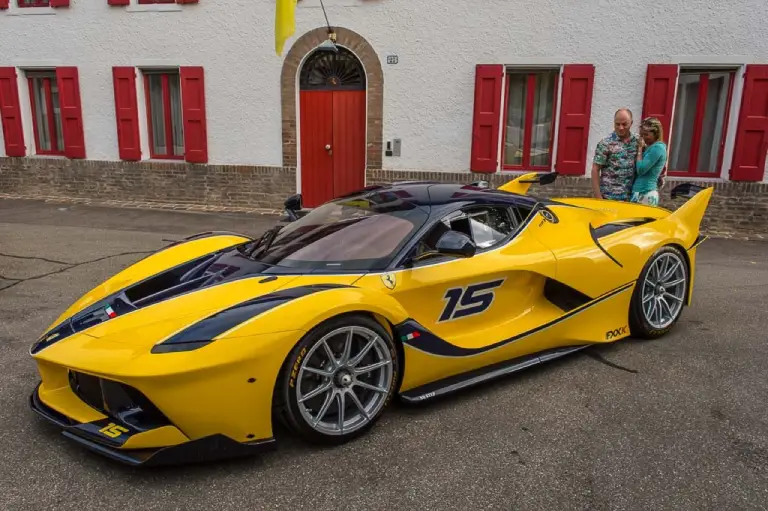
column 434, row 196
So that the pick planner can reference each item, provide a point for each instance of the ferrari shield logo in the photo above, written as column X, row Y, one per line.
column 389, row 280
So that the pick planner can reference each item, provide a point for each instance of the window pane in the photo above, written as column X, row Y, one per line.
column 685, row 115
column 57, row 116
column 340, row 237
column 157, row 114
column 34, row 3
column 41, row 114
column 518, row 90
column 176, row 119
column 543, row 112
column 489, row 226
column 714, row 120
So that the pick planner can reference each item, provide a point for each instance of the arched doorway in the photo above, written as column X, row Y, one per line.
column 332, row 105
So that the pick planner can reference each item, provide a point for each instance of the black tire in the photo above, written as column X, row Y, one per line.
column 639, row 323
column 289, row 409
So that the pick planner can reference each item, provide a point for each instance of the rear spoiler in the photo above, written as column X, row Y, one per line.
column 522, row 183
column 691, row 213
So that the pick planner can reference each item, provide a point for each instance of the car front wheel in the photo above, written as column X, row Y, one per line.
column 339, row 379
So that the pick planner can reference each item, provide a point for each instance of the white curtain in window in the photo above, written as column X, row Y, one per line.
column 41, row 114
column 156, row 106
column 513, row 148
column 543, row 112
column 176, row 117
column 714, row 120
column 685, row 115
column 57, row 115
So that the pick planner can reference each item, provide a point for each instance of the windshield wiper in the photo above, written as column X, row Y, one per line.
column 264, row 242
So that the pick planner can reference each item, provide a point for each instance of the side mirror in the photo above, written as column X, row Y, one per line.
column 293, row 203
column 456, row 244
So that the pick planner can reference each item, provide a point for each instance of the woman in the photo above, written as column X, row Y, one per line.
column 651, row 158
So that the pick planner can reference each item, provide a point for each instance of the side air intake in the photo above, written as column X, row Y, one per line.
column 564, row 296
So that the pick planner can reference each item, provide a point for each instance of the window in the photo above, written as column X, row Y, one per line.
column 531, row 99
column 702, row 108
column 34, row 3
column 514, row 121
column 486, row 226
column 46, row 113
column 164, row 117
column 142, row 2
column 342, row 237
column 174, row 101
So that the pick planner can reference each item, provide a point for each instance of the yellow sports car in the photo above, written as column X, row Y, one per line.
column 410, row 290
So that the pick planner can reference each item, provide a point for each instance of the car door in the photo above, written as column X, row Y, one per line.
column 473, row 303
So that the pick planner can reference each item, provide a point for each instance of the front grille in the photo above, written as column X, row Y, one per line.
column 87, row 388
column 117, row 400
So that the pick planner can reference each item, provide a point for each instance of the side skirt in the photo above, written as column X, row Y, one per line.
column 465, row 380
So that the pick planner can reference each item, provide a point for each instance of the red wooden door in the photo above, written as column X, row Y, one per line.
column 316, row 160
column 333, row 128
column 348, row 141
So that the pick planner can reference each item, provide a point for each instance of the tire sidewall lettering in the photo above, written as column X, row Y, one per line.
column 296, row 367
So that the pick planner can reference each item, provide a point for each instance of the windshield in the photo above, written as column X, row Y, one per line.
column 351, row 235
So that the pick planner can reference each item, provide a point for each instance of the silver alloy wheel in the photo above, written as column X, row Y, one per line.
column 344, row 380
column 664, row 290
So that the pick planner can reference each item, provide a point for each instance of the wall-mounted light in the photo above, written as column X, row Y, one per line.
column 330, row 43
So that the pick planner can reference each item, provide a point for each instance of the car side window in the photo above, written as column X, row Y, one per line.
column 485, row 225
column 425, row 250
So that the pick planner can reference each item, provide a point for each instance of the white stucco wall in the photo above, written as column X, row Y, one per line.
column 428, row 95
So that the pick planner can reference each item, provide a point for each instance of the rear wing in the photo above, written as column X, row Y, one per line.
column 687, row 190
column 524, row 182
column 691, row 213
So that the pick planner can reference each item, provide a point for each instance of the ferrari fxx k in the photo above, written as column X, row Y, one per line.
column 410, row 290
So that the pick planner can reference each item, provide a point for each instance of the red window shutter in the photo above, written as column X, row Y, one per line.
column 193, row 111
column 10, row 113
column 486, row 120
column 59, row 3
column 118, row 2
column 127, row 113
column 3, row 4
column 659, row 100
column 71, row 112
column 575, row 116
column 751, row 147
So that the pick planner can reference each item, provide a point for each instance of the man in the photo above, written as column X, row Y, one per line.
column 613, row 168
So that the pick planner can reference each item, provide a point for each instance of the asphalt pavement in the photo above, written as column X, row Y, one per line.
column 677, row 423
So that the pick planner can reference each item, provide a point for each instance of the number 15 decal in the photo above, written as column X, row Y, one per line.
column 466, row 301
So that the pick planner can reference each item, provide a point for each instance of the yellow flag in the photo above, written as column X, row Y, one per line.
column 285, row 23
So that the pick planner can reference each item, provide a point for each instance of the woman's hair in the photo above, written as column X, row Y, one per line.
column 653, row 125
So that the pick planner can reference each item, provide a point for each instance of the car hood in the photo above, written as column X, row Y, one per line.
column 168, row 291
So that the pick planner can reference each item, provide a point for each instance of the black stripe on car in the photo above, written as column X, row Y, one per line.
column 416, row 336
column 203, row 332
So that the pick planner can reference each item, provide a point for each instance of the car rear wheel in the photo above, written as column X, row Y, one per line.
column 339, row 379
column 659, row 295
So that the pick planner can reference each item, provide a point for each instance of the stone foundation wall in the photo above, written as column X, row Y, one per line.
column 178, row 183
column 736, row 209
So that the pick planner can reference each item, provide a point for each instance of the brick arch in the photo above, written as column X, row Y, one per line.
column 375, row 91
